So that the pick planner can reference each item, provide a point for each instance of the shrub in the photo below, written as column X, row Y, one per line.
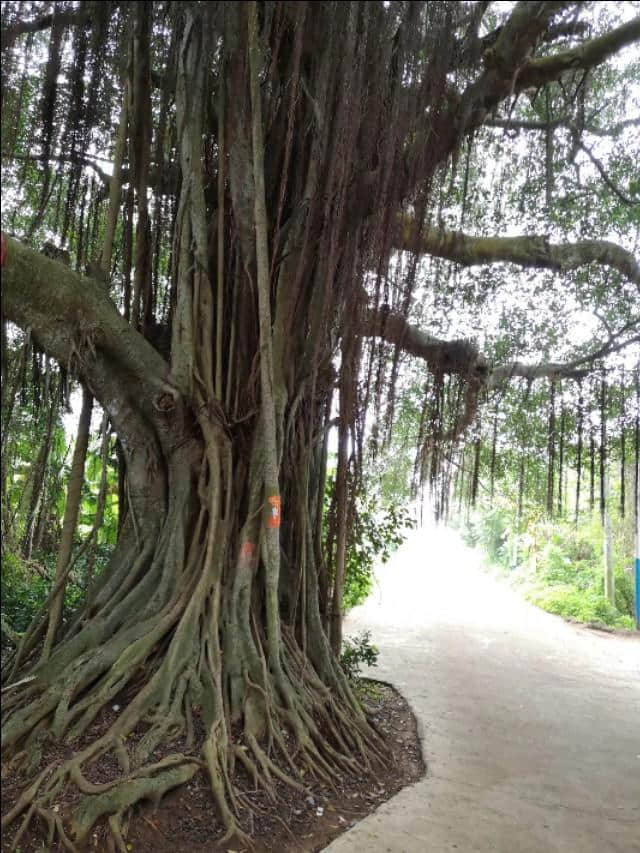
column 560, row 564
column 357, row 652
column 377, row 531
column 23, row 591
column 378, row 528
column 584, row 606
column 625, row 596
column 27, row 583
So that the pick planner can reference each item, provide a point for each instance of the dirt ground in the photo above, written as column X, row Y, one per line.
column 185, row 822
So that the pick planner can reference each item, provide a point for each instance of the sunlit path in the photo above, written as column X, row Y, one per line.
column 531, row 726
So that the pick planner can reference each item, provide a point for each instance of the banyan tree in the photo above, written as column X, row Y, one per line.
column 233, row 182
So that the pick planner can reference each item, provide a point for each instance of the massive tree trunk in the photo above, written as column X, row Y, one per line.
column 186, row 572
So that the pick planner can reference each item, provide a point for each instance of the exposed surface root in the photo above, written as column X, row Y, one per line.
column 144, row 674
column 312, row 734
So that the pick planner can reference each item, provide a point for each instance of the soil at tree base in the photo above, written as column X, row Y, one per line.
column 185, row 821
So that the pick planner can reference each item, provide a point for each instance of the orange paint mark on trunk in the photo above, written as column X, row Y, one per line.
column 247, row 550
column 274, row 515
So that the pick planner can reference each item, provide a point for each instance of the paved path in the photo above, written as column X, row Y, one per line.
column 530, row 726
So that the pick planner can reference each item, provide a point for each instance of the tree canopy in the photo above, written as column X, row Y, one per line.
column 242, row 228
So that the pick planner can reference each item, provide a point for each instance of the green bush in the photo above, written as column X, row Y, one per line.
column 625, row 596
column 491, row 530
column 376, row 533
column 357, row 652
column 24, row 589
column 377, row 529
column 494, row 535
column 584, row 606
column 559, row 563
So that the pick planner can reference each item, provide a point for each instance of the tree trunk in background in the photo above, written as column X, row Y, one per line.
column 607, row 545
column 551, row 448
column 592, row 472
column 92, row 539
column 476, row 472
column 579, row 454
column 72, row 506
column 8, row 402
column 44, row 513
column 493, row 455
column 603, row 451
column 341, row 531
column 561, row 470
column 37, row 476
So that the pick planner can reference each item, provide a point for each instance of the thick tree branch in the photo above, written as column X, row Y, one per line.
column 565, row 30
column 545, row 370
column 74, row 320
column 614, row 343
column 504, row 62
column 74, row 159
column 557, row 31
column 510, row 68
column 162, row 179
column 537, row 72
column 526, row 251
column 475, row 19
column 614, row 130
column 462, row 113
column 563, row 121
column 65, row 19
column 461, row 357
column 567, row 370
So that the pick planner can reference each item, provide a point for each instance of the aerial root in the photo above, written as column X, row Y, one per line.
column 54, row 825
column 349, row 736
column 112, row 799
column 125, row 794
column 115, row 825
column 220, row 789
column 269, row 767
column 25, row 823
column 250, row 767
column 25, row 799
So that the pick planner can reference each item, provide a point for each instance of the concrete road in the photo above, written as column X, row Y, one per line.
column 530, row 726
